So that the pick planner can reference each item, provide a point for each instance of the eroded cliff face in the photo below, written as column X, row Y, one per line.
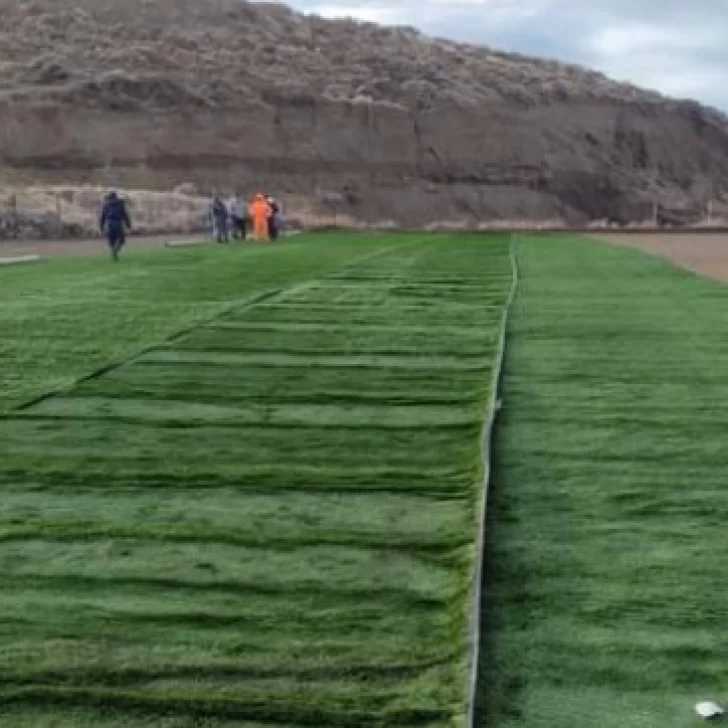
column 371, row 123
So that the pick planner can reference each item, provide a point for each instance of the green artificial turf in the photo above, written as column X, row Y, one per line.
column 269, row 519
column 606, row 594
column 63, row 318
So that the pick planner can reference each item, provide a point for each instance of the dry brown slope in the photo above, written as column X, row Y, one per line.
column 381, row 123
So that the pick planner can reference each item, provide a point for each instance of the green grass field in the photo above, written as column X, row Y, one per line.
column 265, row 516
column 606, row 590
column 266, row 520
column 66, row 317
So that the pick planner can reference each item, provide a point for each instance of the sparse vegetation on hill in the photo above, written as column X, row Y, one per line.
column 61, row 211
column 378, row 123
column 205, row 54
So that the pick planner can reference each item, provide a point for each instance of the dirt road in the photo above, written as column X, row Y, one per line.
column 702, row 253
column 9, row 249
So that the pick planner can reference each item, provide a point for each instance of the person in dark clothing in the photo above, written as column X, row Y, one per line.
column 238, row 213
column 220, row 217
column 274, row 221
column 114, row 223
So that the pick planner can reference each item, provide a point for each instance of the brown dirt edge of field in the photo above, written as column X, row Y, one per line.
column 703, row 253
column 97, row 246
column 93, row 246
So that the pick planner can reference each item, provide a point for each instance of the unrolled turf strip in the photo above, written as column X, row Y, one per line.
column 256, row 524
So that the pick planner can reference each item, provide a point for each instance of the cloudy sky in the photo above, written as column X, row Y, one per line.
column 679, row 47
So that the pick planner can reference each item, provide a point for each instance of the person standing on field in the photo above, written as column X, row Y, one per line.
column 219, row 220
column 260, row 214
column 275, row 222
column 238, row 213
column 114, row 223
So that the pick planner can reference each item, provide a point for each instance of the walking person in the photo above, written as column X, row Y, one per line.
column 260, row 214
column 114, row 223
column 238, row 214
column 220, row 217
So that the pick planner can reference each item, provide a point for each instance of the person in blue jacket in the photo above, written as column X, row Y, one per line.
column 220, row 217
column 114, row 223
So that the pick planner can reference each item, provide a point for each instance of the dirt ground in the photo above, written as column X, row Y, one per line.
column 702, row 253
column 51, row 248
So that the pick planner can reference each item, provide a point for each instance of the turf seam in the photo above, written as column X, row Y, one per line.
column 232, row 424
column 112, row 366
column 219, row 708
column 494, row 406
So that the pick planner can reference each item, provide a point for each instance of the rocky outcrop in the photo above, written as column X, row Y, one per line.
column 365, row 122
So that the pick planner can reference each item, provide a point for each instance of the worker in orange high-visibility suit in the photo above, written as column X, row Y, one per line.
column 260, row 211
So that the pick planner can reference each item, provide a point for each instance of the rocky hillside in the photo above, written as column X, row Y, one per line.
column 374, row 123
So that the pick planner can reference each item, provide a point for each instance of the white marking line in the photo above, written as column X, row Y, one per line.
column 20, row 259
column 183, row 243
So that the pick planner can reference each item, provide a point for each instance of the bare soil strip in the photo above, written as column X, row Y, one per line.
column 703, row 253
column 92, row 246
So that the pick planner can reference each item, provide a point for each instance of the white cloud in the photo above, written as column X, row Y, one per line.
column 643, row 38
column 673, row 58
column 428, row 12
column 363, row 11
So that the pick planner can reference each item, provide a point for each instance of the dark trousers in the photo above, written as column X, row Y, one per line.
column 239, row 227
column 221, row 229
column 115, row 236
